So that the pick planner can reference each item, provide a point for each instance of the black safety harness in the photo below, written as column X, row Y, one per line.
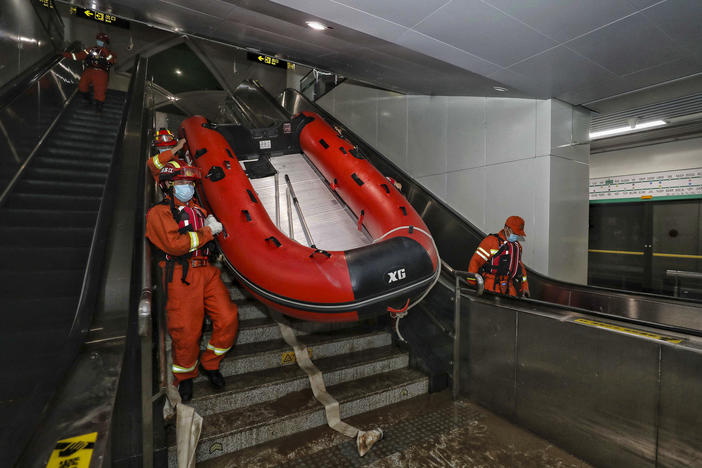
column 505, row 264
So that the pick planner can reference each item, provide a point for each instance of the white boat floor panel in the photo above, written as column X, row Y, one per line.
column 332, row 225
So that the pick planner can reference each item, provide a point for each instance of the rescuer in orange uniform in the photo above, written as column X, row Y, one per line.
column 98, row 61
column 498, row 260
column 182, row 230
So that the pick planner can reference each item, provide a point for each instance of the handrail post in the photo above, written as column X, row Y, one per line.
column 457, row 338
column 298, row 209
column 277, row 200
column 288, row 202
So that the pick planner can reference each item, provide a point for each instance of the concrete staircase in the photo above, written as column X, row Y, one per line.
column 267, row 396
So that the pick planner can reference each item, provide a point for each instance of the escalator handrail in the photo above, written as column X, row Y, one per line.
column 28, row 78
column 403, row 177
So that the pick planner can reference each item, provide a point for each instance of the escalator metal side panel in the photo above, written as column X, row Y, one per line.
column 609, row 397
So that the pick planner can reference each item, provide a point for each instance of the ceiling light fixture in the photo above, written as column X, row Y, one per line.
column 178, row 71
column 619, row 130
column 316, row 25
column 500, row 89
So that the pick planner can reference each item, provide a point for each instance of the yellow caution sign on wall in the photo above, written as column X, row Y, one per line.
column 75, row 452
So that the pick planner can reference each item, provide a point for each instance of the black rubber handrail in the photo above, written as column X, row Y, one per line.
column 15, row 87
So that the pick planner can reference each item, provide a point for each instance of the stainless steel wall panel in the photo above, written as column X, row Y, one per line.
column 680, row 434
column 465, row 142
column 488, row 356
column 392, row 127
column 467, row 193
column 426, row 135
column 590, row 391
column 511, row 129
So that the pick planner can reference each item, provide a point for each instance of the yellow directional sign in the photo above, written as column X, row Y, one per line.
column 268, row 60
column 88, row 13
column 99, row 16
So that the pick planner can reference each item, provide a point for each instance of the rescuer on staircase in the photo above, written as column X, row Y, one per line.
column 182, row 231
column 98, row 60
column 499, row 260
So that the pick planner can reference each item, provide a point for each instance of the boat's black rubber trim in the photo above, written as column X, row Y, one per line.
column 274, row 240
column 246, row 213
column 385, row 186
column 251, row 196
column 357, row 179
column 323, row 143
column 200, row 152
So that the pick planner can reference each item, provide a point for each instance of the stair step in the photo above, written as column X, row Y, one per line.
column 45, row 236
column 43, row 313
column 27, row 284
column 271, row 384
column 48, row 218
column 235, row 292
column 249, row 309
column 73, row 175
column 60, row 187
column 59, row 151
column 88, row 129
column 299, row 411
column 274, row 354
column 88, row 164
column 56, row 202
column 31, row 258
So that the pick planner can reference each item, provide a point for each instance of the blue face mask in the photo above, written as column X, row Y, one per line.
column 513, row 237
column 184, row 192
column 100, row 43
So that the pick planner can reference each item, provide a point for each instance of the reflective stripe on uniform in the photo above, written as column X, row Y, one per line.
column 483, row 251
column 179, row 370
column 175, row 164
column 481, row 255
column 216, row 350
column 108, row 57
column 156, row 162
column 194, row 241
column 523, row 278
column 74, row 56
column 493, row 251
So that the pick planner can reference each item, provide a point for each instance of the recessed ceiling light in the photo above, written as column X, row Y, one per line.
column 178, row 71
column 316, row 25
column 618, row 130
column 500, row 89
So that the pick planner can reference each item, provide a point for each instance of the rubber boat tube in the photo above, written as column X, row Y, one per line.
column 300, row 281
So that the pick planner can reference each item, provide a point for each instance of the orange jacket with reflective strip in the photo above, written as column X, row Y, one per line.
column 487, row 248
column 156, row 162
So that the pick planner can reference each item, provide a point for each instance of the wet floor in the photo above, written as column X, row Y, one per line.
column 427, row 431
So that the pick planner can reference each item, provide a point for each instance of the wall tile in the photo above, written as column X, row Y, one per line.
column 392, row 127
column 543, row 127
column 436, row 184
column 568, row 227
column 511, row 129
column 466, row 194
column 364, row 114
column 537, row 228
column 465, row 135
column 426, row 147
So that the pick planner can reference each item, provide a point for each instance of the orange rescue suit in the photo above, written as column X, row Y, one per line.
column 187, row 303
column 93, row 75
column 487, row 248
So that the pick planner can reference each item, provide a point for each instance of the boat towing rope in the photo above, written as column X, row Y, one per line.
column 364, row 439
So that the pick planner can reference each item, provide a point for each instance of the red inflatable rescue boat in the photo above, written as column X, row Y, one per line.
column 300, row 281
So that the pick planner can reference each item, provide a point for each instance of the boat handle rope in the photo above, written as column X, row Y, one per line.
column 274, row 240
column 399, row 315
column 364, row 439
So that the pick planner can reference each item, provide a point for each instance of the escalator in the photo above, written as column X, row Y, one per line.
column 54, row 220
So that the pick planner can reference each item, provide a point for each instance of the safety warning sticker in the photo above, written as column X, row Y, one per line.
column 288, row 357
column 74, row 452
column 630, row 331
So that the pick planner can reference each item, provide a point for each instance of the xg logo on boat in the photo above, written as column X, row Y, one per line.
column 396, row 275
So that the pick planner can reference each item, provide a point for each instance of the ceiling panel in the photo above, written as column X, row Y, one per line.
column 561, row 69
column 563, row 20
column 398, row 11
column 679, row 19
column 484, row 31
column 627, row 46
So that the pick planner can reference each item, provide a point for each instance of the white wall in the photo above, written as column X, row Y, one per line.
column 488, row 158
column 684, row 154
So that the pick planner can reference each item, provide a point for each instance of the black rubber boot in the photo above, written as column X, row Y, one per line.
column 214, row 376
column 98, row 106
column 185, row 388
column 86, row 97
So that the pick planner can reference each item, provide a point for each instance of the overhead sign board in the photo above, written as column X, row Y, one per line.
column 99, row 16
column 268, row 60
column 47, row 3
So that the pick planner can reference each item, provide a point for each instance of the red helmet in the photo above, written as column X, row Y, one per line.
column 102, row 37
column 177, row 170
column 164, row 139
